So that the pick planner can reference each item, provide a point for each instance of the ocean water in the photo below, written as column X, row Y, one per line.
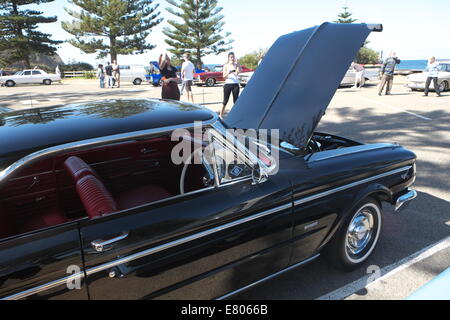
column 412, row 64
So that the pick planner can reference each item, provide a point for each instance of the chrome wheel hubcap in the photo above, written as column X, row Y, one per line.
column 360, row 231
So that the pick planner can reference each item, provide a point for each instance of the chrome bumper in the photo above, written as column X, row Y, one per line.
column 404, row 199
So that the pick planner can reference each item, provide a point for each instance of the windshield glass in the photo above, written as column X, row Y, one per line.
column 18, row 73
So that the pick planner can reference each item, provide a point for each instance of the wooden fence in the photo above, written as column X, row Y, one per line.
column 75, row 74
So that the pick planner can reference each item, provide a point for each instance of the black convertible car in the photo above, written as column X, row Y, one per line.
column 93, row 205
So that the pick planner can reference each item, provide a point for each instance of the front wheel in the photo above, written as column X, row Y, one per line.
column 210, row 82
column 47, row 82
column 137, row 82
column 357, row 237
column 10, row 83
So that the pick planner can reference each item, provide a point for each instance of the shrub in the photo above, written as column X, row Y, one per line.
column 89, row 75
column 78, row 66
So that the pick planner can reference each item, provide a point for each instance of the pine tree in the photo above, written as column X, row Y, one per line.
column 125, row 24
column 19, row 34
column 365, row 55
column 199, row 30
column 345, row 17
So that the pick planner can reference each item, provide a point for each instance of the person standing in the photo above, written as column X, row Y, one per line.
column 387, row 73
column 433, row 72
column 261, row 57
column 359, row 75
column 187, row 74
column 116, row 73
column 230, row 73
column 109, row 75
column 170, row 80
column 101, row 75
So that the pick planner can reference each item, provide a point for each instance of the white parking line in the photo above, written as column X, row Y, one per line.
column 396, row 108
column 387, row 271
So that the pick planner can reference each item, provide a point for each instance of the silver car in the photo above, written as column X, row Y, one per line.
column 417, row 81
column 348, row 80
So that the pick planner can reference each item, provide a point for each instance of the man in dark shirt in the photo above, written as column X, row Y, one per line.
column 387, row 73
column 109, row 75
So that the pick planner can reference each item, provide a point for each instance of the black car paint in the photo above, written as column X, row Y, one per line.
column 221, row 262
column 34, row 259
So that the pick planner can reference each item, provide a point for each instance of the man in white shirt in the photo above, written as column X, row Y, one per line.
column 187, row 74
column 433, row 71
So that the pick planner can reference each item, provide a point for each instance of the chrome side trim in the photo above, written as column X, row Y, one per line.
column 185, row 240
column 44, row 287
column 268, row 277
column 348, row 186
column 90, row 143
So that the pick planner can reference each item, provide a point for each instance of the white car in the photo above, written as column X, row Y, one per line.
column 132, row 73
column 369, row 74
column 244, row 78
column 417, row 81
column 29, row 76
column 349, row 78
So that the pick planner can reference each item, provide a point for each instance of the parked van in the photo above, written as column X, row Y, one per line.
column 132, row 73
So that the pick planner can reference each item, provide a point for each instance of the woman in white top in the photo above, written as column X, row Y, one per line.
column 230, row 73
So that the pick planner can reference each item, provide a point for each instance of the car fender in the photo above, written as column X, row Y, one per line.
column 381, row 192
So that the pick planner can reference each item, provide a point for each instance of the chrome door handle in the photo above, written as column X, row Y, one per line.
column 103, row 245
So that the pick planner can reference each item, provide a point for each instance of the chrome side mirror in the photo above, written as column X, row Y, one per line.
column 259, row 175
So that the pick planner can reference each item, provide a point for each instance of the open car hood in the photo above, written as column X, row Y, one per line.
column 297, row 79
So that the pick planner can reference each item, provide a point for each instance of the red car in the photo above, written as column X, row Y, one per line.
column 210, row 78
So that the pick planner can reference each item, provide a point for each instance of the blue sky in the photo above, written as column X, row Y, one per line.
column 414, row 29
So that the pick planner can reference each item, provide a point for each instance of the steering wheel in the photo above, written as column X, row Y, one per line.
column 208, row 168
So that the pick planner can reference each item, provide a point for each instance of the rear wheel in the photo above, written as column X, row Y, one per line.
column 10, row 83
column 443, row 86
column 137, row 81
column 357, row 237
column 47, row 82
column 210, row 82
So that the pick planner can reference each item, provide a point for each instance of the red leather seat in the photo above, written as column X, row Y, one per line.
column 50, row 217
column 140, row 196
column 95, row 197
column 77, row 168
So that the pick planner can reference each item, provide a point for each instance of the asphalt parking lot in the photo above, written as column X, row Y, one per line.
column 414, row 245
